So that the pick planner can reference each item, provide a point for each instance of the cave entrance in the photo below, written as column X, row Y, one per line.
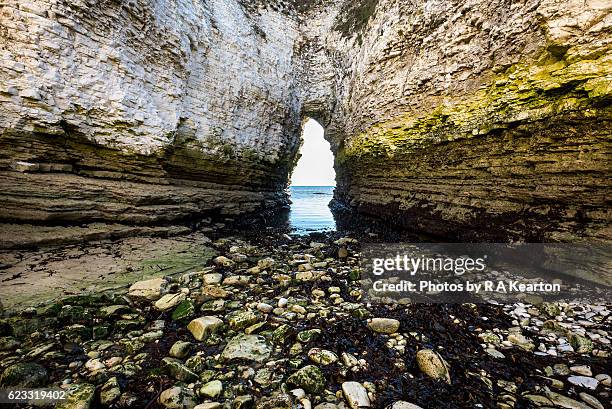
column 312, row 182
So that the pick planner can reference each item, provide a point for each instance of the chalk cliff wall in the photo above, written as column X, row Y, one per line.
column 144, row 111
column 478, row 119
column 481, row 119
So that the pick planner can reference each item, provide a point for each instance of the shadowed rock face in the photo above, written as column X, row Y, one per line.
column 466, row 120
column 482, row 120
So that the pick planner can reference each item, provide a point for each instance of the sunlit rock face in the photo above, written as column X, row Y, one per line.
column 144, row 111
column 478, row 120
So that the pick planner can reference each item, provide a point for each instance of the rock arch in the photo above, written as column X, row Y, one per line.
column 480, row 120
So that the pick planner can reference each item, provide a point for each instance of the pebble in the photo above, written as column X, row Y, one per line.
column 582, row 370
column 584, row 381
column 212, row 389
column 384, row 325
column 404, row 405
column 265, row 308
column 180, row 349
column 591, row 400
column 322, row 356
column 356, row 395
column 604, row 379
column 495, row 353
column 202, row 327
column 94, row 365
column 433, row 365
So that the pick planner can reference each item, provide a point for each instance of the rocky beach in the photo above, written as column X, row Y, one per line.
column 279, row 321
column 147, row 154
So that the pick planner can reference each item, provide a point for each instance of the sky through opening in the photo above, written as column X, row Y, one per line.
column 316, row 165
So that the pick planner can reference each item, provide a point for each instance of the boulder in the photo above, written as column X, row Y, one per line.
column 356, row 395
column 433, row 365
column 247, row 347
column 384, row 325
column 150, row 290
column 202, row 327
column 25, row 375
column 310, row 378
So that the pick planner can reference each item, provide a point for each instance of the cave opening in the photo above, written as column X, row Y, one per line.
column 312, row 182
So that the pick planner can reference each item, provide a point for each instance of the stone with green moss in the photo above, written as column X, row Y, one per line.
column 239, row 320
column 26, row 374
column 196, row 363
column 581, row 344
column 310, row 378
column 178, row 370
column 549, row 309
column 80, row 396
column 110, row 391
column 185, row 310
column 309, row 335
column 281, row 334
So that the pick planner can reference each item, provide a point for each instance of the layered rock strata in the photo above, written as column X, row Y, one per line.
column 144, row 112
column 473, row 120
column 478, row 120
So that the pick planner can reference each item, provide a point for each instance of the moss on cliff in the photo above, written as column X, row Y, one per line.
column 523, row 93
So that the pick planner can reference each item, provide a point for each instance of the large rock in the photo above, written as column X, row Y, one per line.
column 384, row 325
column 148, row 289
column 26, row 375
column 247, row 347
column 433, row 365
column 202, row 327
column 79, row 396
column 356, row 395
column 310, row 378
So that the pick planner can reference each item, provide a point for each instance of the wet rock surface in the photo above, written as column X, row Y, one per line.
column 266, row 338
